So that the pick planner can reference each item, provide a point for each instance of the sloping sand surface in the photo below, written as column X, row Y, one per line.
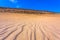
column 15, row 26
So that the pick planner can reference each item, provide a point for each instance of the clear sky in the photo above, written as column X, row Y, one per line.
column 50, row 5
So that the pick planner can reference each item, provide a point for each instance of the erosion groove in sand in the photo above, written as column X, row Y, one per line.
column 29, row 26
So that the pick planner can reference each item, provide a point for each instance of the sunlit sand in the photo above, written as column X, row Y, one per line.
column 17, row 26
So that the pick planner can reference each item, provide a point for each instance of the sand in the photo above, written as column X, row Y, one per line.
column 15, row 26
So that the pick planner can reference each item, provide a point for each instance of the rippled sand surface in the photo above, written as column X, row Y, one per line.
column 15, row 26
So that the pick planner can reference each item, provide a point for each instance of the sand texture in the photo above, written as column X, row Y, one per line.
column 15, row 26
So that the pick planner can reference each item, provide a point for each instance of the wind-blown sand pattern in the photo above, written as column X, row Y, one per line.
column 15, row 26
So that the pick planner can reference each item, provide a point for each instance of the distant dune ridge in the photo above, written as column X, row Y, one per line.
column 21, row 24
column 16, row 10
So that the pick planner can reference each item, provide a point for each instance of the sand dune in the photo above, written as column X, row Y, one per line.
column 15, row 26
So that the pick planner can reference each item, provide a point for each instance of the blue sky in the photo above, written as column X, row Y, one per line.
column 50, row 5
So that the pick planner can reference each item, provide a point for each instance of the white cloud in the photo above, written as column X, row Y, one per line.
column 13, row 1
column 17, row 6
